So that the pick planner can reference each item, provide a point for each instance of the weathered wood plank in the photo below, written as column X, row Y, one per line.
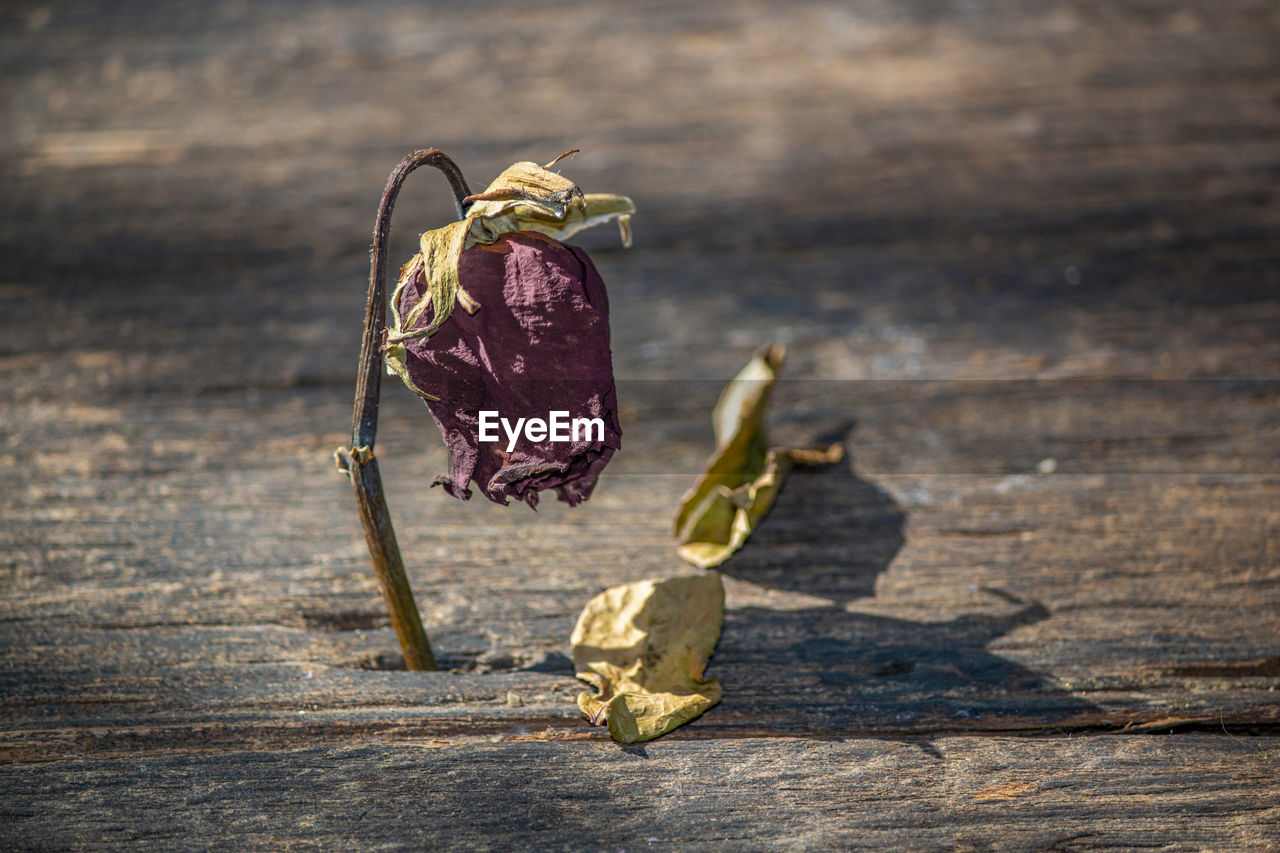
column 1180, row 793
column 904, row 616
column 1025, row 259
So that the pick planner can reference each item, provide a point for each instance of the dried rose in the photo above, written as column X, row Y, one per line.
column 532, row 339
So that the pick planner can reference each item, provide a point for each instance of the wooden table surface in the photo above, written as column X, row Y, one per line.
column 1026, row 260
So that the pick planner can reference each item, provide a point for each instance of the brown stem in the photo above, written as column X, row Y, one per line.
column 358, row 460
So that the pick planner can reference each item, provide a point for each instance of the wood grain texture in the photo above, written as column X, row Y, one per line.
column 1025, row 260
column 966, row 793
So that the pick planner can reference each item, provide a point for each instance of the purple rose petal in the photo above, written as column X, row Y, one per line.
column 538, row 344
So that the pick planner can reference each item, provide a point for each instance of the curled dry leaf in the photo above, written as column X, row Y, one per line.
column 744, row 475
column 644, row 647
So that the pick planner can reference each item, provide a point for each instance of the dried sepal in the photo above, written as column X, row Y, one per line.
column 644, row 646
column 744, row 475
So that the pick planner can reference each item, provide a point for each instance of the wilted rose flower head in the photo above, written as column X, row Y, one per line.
column 532, row 338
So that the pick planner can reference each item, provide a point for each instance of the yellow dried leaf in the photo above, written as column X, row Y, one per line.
column 644, row 646
column 743, row 477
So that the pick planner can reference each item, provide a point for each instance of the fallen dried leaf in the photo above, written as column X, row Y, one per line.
column 744, row 476
column 644, row 647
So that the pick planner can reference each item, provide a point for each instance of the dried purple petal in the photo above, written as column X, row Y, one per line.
column 537, row 344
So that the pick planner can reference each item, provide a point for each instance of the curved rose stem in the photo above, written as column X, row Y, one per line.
column 358, row 460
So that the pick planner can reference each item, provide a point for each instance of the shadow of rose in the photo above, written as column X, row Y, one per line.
column 822, row 667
